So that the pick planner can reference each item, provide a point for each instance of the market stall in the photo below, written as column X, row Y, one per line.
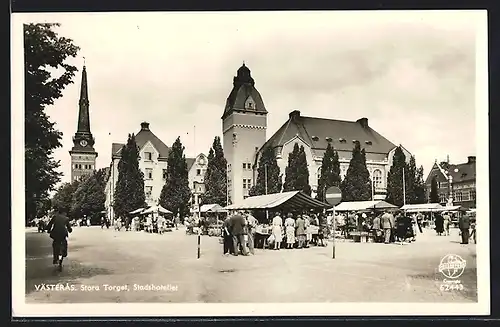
column 277, row 203
column 212, row 214
column 428, row 209
column 363, row 206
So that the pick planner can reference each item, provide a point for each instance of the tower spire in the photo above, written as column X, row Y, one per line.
column 83, row 113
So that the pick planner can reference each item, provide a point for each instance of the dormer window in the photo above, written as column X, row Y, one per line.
column 328, row 139
column 250, row 105
column 368, row 142
column 315, row 138
column 354, row 141
column 342, row 140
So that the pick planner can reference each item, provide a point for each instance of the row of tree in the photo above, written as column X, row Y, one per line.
column 356, row 186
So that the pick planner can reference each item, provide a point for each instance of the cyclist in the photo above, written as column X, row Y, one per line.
column 59, row 228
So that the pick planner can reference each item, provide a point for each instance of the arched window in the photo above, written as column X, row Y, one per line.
column 377, row 178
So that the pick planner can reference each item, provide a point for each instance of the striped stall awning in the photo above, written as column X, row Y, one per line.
column 295, row 200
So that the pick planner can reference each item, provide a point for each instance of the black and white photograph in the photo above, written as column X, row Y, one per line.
column 250, row 163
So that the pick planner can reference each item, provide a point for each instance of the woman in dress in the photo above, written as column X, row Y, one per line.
column 277, row 230
column 308, row 230
column 290, row 231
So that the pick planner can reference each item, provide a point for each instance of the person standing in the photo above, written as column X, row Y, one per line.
column 290, row 231
column 300, row 224
column 464, row 225
column 251, row 229
column 322, row 230
column 439, row 224
column 277, row 230
column 237, row 224
column 387, row 225
column 446, row 223
column 376, row 229
column 227, row 237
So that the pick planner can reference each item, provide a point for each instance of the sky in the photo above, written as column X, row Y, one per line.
column 412, row 74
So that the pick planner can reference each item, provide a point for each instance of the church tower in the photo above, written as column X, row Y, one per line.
column 244, row 124
column 83, row 155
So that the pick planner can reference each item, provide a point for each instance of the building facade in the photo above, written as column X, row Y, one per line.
column 456, row 182
column 153, row 154
column 244, row 124
column 83, row 154
column 197, row 167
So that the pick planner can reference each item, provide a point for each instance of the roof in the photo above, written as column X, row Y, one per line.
column 463, row 172
column 211, row 208
column 424, row 207
column 243, row 88
column 315, row 131
column 289, row 200
column 363, row 205
column 141, row 139
column 190, row 162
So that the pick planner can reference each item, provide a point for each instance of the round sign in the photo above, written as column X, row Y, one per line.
column 333, row 195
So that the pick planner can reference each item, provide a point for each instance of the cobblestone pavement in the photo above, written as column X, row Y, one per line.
column 361, row 272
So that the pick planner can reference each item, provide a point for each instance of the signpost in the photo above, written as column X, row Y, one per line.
column 333, row 196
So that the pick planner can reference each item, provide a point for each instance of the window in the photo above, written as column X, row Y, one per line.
column 458, row 196
column 149, row 191
column 473, row 195
column 165, row 174
column 200, row 189
column 377, row 178
column 442, row 197
column 244, row 183
column 148, row 155
column 250, row 105
column 466, row 196
column 318, row 173
column 244, row 165
column 149, row 173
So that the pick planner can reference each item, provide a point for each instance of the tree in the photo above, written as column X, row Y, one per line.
column 357, row 185
column 395, row 178
column 329, row 172
column 268, row 166
column 216, row 176
column 43, row 48
column 176, row 193
column 290, row 170
column 129, row 190
column 89, row 197
column 63, row 199
column 434, row 195
column 297, row 171
column 420, row 187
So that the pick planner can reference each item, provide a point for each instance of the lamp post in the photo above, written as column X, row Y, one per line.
column 404, row 188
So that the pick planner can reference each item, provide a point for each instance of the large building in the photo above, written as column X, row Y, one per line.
column 83, row 154
column 244, row 138
column 153, row 154
column 456, row 182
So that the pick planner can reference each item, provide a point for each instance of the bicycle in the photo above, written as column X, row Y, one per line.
column 59, row 249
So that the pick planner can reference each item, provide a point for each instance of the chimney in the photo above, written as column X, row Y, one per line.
column 294, row 114
column 144, row 126
column 363, row 122
column 471, row 159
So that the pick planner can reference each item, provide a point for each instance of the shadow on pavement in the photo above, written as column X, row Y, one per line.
column 40, row 270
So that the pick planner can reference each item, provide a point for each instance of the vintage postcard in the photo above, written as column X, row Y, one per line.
column 250, row 163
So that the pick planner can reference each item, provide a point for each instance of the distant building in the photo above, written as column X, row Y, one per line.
column 455, row 181
column 83, row 154
column 153, row 154
column 244, row 137
column 197, row 168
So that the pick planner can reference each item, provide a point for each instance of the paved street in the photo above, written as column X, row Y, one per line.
column 362, row 272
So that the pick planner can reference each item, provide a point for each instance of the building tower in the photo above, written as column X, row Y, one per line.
column 244, row 124
column 83, row 155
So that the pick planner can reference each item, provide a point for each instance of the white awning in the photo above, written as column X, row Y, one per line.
column 364, row 205
column 424, row 207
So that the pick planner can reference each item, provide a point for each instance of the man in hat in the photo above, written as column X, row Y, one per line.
column 387, row 222
column 237, row 224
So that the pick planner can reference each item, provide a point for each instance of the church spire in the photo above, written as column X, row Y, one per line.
column 83, row 113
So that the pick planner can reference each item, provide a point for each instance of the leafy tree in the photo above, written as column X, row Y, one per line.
column 89, row 197
column 43, row 48
column 129, row 190
column 434, row 195
column 176, row 193
column 357, row 185
column 329, row 173
column 297, row 171
column 395, row 178
column 420, row 187
column 268, row 166
column 63, row 199
column 216, row 176
column 290, row 170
